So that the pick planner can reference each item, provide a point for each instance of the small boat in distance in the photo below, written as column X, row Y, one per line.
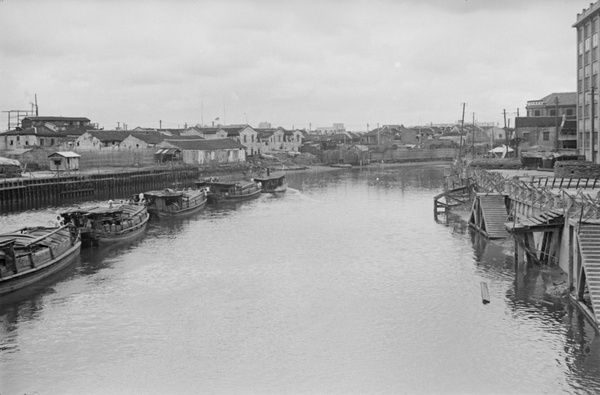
column 31, row 254
column 229, row 191
column 115, row 223
column 174, row 202
column 272, row 183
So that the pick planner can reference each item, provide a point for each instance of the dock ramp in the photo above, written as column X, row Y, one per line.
column 489, row 214
column 589, row 246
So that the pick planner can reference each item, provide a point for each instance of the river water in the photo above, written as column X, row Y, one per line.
column 345, row 284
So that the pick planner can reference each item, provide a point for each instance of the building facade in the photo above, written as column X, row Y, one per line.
column 587, row 81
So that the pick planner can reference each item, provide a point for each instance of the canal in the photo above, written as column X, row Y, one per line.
column 345, row 284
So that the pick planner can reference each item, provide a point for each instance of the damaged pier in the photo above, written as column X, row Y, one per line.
column 553, row 221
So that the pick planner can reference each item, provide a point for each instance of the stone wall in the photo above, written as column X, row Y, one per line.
column 576, row 169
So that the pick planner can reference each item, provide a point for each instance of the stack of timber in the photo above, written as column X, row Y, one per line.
column 589, row 244
column 489, row 214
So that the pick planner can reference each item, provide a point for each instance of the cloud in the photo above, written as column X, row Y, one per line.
column 318, row 62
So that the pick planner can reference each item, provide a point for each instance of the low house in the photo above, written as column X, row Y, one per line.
column 98, row 139
column 292, row 140
column 165, row 155
column 246, row 135
column 147, row 139
column 64, row 161
column 32, row 158
column 206, row 133
column 211, row 151
column 33, row 136
column 538, row 132
column 385, row 135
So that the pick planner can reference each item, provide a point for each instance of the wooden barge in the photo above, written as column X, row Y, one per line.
column 31, row 254
column 169, row 203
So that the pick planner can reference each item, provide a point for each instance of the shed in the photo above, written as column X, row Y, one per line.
column 65, row 160
column 168, row 155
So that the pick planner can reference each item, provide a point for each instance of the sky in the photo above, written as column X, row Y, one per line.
column 302, row 64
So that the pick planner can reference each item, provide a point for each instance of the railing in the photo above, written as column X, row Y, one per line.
column 580, row 205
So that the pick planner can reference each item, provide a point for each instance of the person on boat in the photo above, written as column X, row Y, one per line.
column 110, row 204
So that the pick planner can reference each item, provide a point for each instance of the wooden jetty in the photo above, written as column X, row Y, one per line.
column 553, row 221
column 26, row 193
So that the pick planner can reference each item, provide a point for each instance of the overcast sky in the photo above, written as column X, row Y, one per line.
column 292, row 63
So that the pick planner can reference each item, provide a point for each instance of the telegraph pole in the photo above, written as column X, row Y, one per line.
column 505, row 132
column 516, row 137
column 556, row 120
column 462, row 126
column 473, row 136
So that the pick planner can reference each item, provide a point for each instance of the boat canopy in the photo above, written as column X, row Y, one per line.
column 274, row 176
column 164, row 193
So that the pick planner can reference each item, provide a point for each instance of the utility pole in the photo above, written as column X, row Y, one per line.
column 516, row 137
column 556, row 119
column 462, row 127
column 473, row 137
column 505, row 132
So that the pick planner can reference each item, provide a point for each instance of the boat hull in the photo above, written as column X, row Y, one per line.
column 234, row 198
column 179, row 213
column 112, row 234
column 26, row 278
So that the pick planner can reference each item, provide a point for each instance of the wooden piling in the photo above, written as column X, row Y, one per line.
column 485, row 293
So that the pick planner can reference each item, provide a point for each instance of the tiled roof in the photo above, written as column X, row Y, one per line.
column 564, row 99
column 265, row 133
column 148, row 137
column 233, row 130
column 35, row 131
column 205, row 145
column 61, row 119
column 209, row 130
column 110, row 135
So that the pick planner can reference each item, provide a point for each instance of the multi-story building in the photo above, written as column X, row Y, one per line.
column 550, row 123
column 587, row 81
column 563, row 103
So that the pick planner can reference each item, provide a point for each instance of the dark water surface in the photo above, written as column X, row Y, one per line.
column 345, row 284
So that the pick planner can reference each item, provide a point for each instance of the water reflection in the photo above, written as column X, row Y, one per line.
column 343, row 284
column 563, row 324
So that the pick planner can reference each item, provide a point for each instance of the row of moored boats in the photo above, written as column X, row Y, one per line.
column 30, row 254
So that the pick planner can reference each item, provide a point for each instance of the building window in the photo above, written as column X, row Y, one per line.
column 11, row 142
column 41, row 142
column 536, row 113
column 51, row 141
column 526, row 136
column 546, row 136
column 552, row 113
column 244, row 138
column 569, row 111
column 27, row 142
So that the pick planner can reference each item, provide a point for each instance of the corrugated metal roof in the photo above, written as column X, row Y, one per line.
column 65, row 154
